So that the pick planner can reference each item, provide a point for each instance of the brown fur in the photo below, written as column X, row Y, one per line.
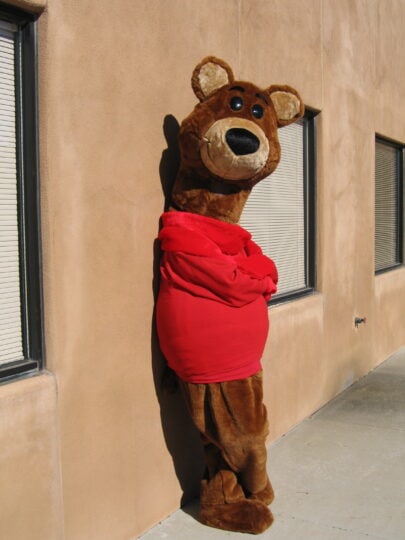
column 196, row 188
column 230, row 416
column 224, row 506
column 232, row 421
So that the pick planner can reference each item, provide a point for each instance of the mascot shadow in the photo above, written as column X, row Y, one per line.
column 181, row 437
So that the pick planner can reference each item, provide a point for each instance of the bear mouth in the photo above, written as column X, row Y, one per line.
column 234, row 149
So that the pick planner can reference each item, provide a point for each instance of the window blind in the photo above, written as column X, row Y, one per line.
column 11, row 346
column 275, row 212
column 386, row 206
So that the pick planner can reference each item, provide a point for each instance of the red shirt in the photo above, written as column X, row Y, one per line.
column 211, row 314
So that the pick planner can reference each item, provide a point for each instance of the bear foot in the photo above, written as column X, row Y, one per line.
column 265, row 496
column 245, row 516
column 225, row 506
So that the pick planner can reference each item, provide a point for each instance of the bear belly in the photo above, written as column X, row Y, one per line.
column 206, row 341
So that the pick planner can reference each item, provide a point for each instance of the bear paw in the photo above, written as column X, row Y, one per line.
column 245, row 516
column 265, row 496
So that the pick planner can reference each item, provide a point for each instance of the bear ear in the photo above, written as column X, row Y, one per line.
column 210, row 75
column 287, row 103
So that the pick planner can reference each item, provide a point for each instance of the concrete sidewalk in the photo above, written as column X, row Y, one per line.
column 339, row 475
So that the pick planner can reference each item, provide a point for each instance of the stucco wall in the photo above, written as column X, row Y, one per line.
column 113, row 80
column 30, row 479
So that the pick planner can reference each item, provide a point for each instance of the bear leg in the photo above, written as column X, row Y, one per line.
column 232, row 421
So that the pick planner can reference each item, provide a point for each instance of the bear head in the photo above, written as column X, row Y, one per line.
column 229, row 142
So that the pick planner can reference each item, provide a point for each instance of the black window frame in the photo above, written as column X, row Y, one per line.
column 309, row 149
column 28, row 194
column 399, row 190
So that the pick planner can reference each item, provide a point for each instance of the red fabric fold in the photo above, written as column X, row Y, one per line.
column 211, row 311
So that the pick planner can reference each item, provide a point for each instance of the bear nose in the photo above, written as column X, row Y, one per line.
column 241, row 141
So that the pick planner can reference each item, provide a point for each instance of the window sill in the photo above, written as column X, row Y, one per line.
column 16, row 370
column 398, row 266
column 291, row 297
column 310, row 295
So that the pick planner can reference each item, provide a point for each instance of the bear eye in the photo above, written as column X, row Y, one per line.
column 257, row 111
column 236, row 103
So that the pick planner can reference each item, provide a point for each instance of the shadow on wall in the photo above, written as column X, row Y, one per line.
column 181, row 437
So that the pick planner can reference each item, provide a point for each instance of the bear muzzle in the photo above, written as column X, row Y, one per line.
column 234, row 149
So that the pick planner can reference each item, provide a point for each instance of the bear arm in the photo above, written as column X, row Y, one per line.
column 215, row 278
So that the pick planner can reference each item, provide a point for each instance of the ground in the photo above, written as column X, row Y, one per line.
column 339, row 475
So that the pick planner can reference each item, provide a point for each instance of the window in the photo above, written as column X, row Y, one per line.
column 388, row 204
column 280, row 212
column 20, row 292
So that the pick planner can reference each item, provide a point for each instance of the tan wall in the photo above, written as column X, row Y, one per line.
column 110, row 72
column 30, row 479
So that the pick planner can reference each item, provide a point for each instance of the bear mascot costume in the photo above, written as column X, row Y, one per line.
column 212, row 313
